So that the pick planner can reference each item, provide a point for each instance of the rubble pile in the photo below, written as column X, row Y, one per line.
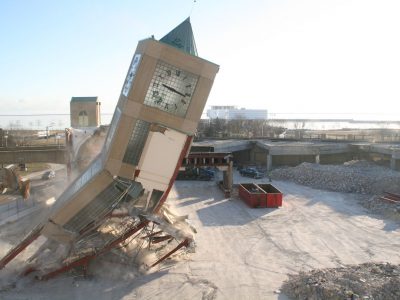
column 351, row 177
column 366, row 281
column 377, row 205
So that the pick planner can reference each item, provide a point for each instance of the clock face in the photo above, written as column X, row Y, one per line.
column 171, row 89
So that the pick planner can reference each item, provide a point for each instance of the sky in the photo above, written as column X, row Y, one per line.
column 295, row 58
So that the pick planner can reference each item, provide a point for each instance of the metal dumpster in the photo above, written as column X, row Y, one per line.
column 274, row 196
column 252, row 195
column 260, row 195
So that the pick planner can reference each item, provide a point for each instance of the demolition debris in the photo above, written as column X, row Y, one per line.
column 376, row 281
column 370, row 181
column 352, row 177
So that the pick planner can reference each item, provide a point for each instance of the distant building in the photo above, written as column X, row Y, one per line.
column 85, row 112
column 233, row 112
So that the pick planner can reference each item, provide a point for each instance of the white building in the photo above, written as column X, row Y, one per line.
column 233, row 112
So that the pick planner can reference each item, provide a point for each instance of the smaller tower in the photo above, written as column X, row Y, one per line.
column 85, row 112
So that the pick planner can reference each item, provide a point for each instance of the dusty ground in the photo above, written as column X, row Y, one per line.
column 241, row 253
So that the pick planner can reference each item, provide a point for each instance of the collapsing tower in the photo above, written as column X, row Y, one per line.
column 161, row 102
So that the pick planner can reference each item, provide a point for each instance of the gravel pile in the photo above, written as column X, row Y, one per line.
column 351, row 177
column 366, row 281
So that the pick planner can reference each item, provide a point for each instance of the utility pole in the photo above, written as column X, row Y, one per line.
column 6, row 137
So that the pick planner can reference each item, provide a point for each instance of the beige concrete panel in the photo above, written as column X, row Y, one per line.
column 209, row 71
column 191, row 63
column 199, row 100
column 127, row 171
column 151, row 47
column 182, row 60
column 189, row 126
column 121, row 137
column 150, row 184
column 57, row 233
column 113, row 166
column 159, row 50
column 142, row 45
column 153, row 165
column 132, row 109
column 152, row 181
column 84, row 196
column 154, row 115
column 142, row 79
column 140, row 49
column 146, row 147
column 188, row 149
column 167, row 53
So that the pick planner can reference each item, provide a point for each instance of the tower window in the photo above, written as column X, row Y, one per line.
column 83, row 119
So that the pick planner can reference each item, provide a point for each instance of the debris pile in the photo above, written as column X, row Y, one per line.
column 141, row 242
column 365, row 281
column 351, row 177
column 377, row 205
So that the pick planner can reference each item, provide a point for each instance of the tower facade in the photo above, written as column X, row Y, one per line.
column 85, row 112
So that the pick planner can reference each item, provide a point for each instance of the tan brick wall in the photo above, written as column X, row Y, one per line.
column 93, row 113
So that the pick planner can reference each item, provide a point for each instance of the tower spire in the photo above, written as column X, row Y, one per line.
column 181, row 37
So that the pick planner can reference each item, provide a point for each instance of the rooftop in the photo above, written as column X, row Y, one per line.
column 84, row 99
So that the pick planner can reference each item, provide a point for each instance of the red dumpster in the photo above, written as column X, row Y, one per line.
column 252, row 195
column 273, row 195
column 260, row 195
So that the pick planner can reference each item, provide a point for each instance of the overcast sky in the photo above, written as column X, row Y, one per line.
column 319, row 58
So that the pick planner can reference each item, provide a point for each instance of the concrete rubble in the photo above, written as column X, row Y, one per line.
column 352, row 177
column 365, row 281
column 389, row 210
column 361, row 177
column 367, row 181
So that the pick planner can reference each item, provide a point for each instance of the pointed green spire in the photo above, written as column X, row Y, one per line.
column 181, row 37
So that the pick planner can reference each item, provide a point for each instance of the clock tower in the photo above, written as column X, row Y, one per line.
column 161, row 102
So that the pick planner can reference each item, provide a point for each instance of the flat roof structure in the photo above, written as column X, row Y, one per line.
column 84, row 99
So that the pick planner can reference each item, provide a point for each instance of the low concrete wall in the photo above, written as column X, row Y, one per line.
column 292, row 154
column 331, row 159
column 32, row 154
column 291, row 160
column 242, row 157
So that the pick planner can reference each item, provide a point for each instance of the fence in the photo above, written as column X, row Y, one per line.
column 14, row 206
